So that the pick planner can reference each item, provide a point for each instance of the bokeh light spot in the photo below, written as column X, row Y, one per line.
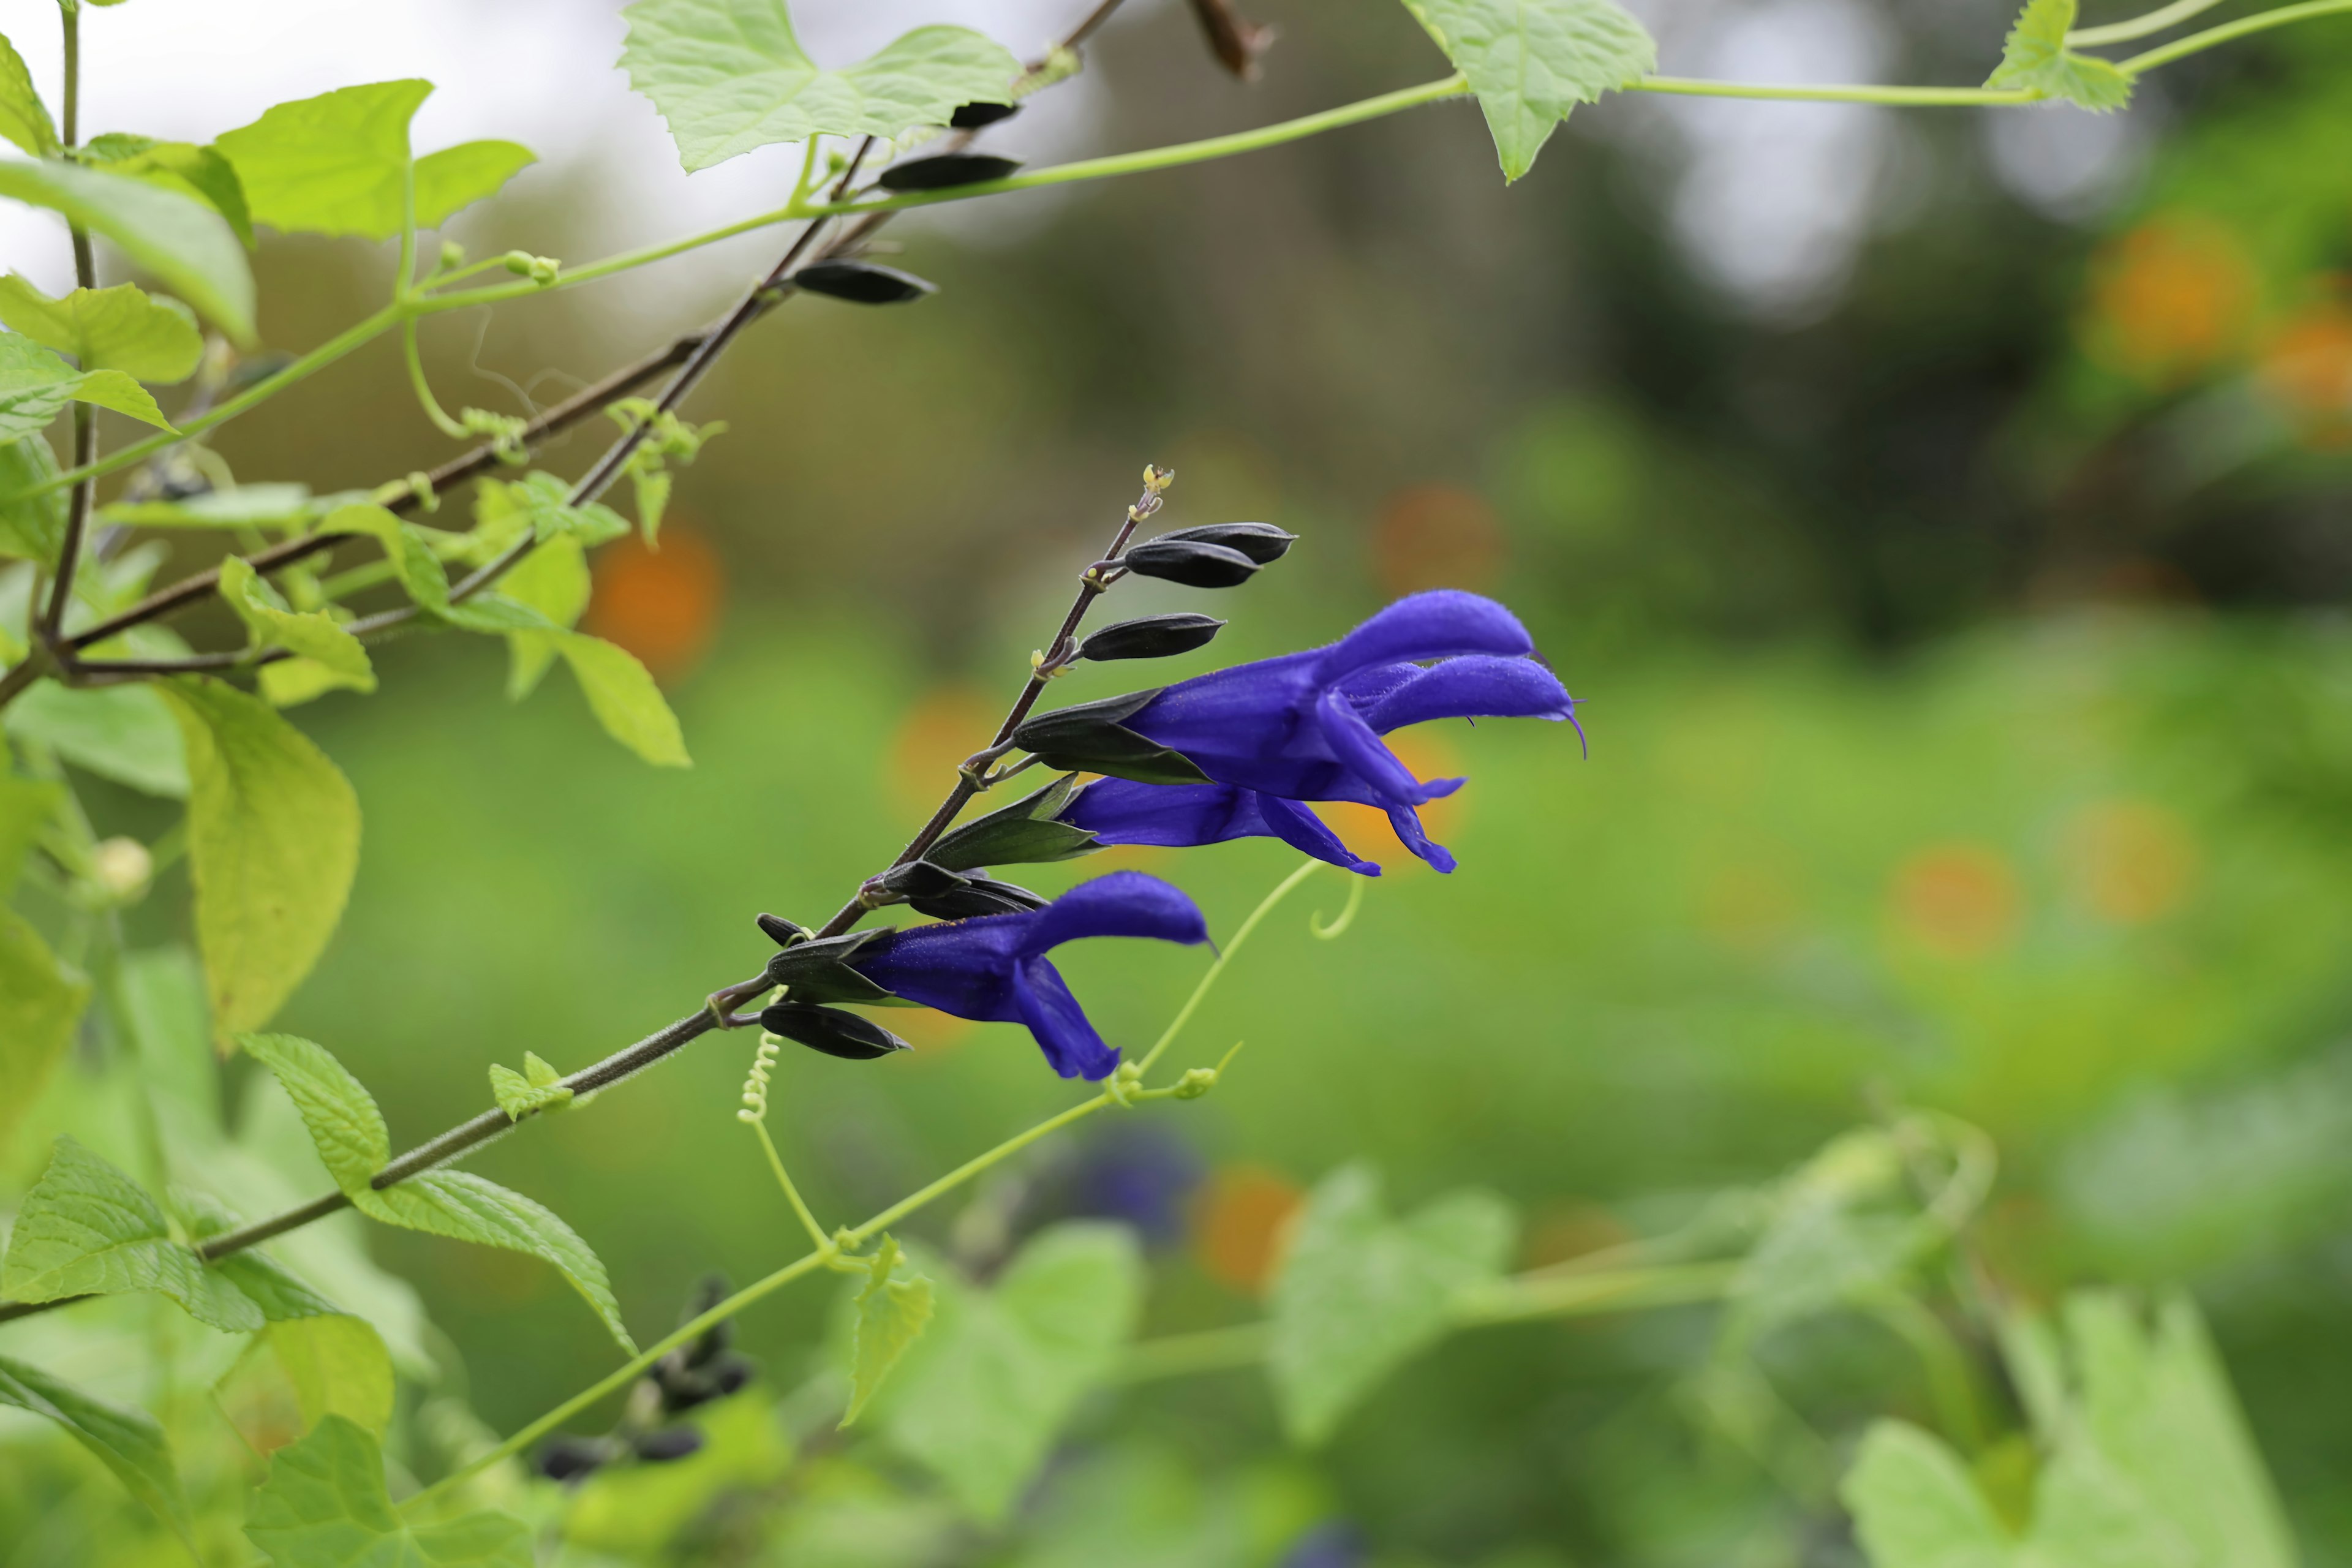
column 2130, row 862
column 940, row 731
column 2170, row 299
column 662, row 605
column 2307, row 369
column 1960, row 901
column 1241, row 1222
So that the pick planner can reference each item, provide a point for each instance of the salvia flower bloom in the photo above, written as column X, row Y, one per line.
column 1121, row 811
column 993, row 969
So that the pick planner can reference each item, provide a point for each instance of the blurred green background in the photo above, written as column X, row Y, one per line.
column 1958, row 617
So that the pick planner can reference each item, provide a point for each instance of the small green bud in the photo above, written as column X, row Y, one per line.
column 540, row 269
column 122, row 867
column 452, row 254
column 1196, row 1083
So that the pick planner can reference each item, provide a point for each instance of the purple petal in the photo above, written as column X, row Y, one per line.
column 1125, row 903
column 1119, row 811
column 1388, row 780
column 1300, row 828
column 1438, row 625
column 1476, row 686
column 1060, row 1025
column 1409, row 831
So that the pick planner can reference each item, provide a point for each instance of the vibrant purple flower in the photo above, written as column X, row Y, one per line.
column 993, row 969
column 1121, row 811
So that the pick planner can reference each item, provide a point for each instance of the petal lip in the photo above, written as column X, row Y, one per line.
column 1443, row 623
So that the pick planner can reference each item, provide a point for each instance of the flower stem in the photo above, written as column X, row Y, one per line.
column 2139, row 27
column 2165, row 54
column 776, row 1164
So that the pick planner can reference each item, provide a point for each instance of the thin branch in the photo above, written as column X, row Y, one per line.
column 85, row 417
column 2261, row 21
column 2139, row 27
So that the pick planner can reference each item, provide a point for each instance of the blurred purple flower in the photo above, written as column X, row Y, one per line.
column 1335, row 1543
column 992, row 968
column 1143, row 1175
column 1121, row 811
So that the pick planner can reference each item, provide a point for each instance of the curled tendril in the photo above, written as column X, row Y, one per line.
column 755, row 1087
column 1339, row 928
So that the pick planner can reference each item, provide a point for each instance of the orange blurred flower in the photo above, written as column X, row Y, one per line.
column 1960, row 901
column 661, row 605
column 1365, row 829
column 941, row 729
column 2130, row 862
column 1241, row 1223
column 2308, row 368
column 2169, row 300
column 1435, row 536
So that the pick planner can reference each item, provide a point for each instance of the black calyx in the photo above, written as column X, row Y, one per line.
column 782, row 931
column 848, row 1035
column 1089, row 739
column 1023, row 833
column 946, row 170
column 976, row 896
column 1261, row 542
column 861, row 282
column 1151, row 636
column 668, row 1443
column 979, row 116
column 819, row 971
column 1191, row 562
column 564, row 1457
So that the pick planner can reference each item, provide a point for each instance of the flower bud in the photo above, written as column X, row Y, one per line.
column 828, row 1029
column 945, row 170
column 782, row 931
column 452, row 254
column 974, row 896
column 1089, row 738
column 818, row 971
column 568, row 1459
column 1261, row 542
column 1151, row 636
column 121, row 866
column 976, row 116
column 1023, row 833
column 1194, row 563
column 861, row 282
column 669, row 1443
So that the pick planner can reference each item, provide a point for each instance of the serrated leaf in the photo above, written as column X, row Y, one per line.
column 623, row 695
column 122, row 328
column 181, row 166
column 338, row 1366
column 180, row 240
column 125, row 733
column 2035, row 57
column 981, row 1396
column 87, row 1229
column 1916, row 1506
column 891, row 1313
column 127, row 1441
column 336, row 656
column 338, row 163
column 325, row 1505
column 729, row 76
column 537, row 1088
column 36, row 384
column 458, row 177
column 1531, row 61
column 273, row 844
column 34, row 526
column 542, row 503
column 1360, row 1293
column 353, row 1143
column 23, row 118
column 41, row 1001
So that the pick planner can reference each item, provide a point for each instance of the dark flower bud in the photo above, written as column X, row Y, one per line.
column 669, row 1443
column 973, row 895
column 1261, row 542
column 1023, row 833
column 847, row 1035
column 683, row 1388
column 1190, row 562
column 979, row 116
column 782, row 931
column 1151, row 636
column 568, row 1459
column 1236, row 41
column 861, row 282
column 732, row 1374
column 917, row 879
column 945, row 170
column 1089, row 738
column 714, row 1341
column 819, row 971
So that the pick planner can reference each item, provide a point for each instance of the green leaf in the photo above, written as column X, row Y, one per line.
column 1916, row 1506
column 405, row 546
column 35, row 526
column 122, row 328
column 458, row 177
column 554, row 580
column 542, row 503
column 126, row 1441
column 41, row 1001
column 1531, row 61
column 981, row 1396
column 354, row 1145
column 273, row 844
column 2036, row 58
column 238, row 506
column 333, row 656
column 1843, row 1230
column 87, row 1229
column 891, row 1315
column 622, row 694
column 25, row 808
column 177, row 237
column 538, row 1087
column 338, row 1366
column 125, row 733
column 1360, row 1293
column 34, row 385
column 199, row 171
column 23, row 118
column 325, row 1505
column 729, row 76
column 338, row 163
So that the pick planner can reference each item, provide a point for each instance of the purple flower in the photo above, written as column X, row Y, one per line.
column 993, row 969
column 1119, row 811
